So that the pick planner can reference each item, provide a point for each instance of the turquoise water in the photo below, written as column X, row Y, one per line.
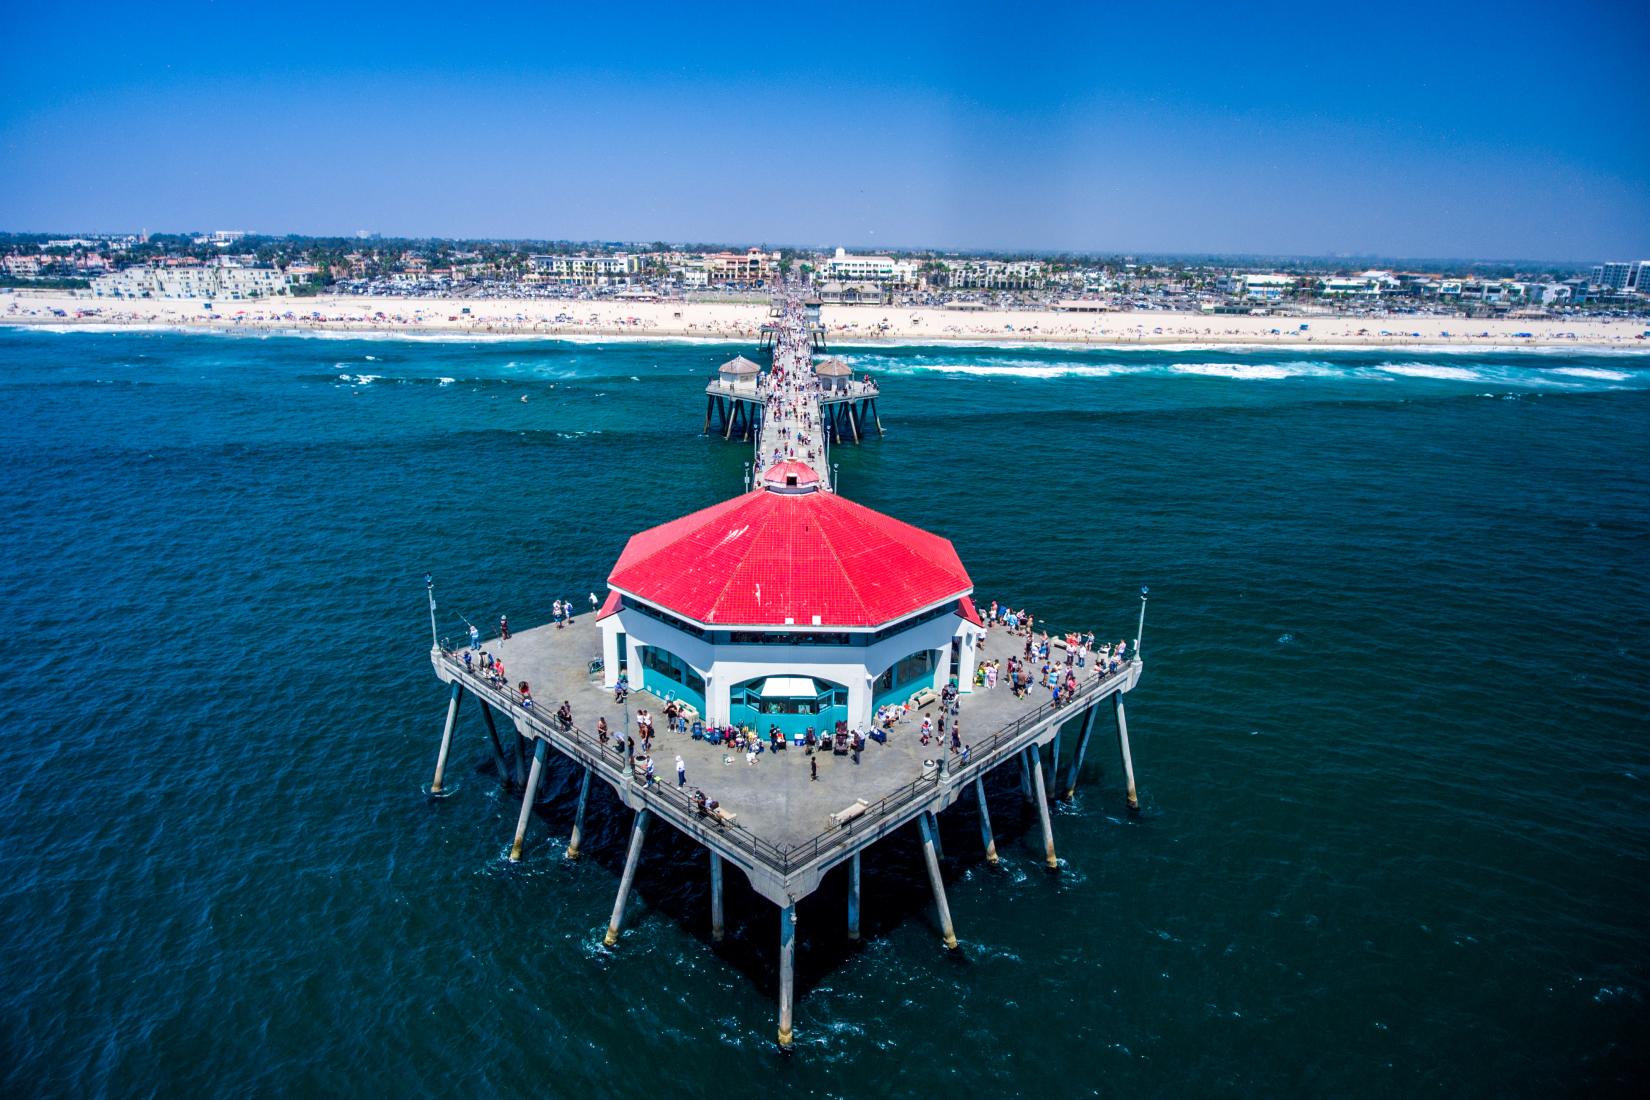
column 1391, row 739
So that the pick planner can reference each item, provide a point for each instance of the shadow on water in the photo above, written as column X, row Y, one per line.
column 673, row 878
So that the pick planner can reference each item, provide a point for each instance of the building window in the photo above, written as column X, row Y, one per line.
column 907, row 672
column 682, row 679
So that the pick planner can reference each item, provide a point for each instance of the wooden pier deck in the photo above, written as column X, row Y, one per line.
column 782, row 838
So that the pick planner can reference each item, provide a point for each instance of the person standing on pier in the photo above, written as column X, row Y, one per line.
column 503, row 628
column 475, row 637
column 681, row 771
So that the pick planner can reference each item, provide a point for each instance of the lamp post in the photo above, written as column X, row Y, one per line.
column 836, row 477
column 747, row 477
column 429, row 590
column 1141, row 628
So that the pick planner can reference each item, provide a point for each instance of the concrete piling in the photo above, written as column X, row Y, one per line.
column 528, row 794
column 638, row 832
column 787, row 960
column 1036, row 762
column 446, row 737
column 1123, row 750
column 985, row 823
column 853, row 897
column 925, row 822
column 578, row 815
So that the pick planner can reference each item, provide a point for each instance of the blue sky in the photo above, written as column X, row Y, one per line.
column 1508, row 131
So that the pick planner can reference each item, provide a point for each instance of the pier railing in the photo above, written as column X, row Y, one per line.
column 882, row 816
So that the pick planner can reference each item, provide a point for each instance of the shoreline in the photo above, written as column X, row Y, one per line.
column 846, row 326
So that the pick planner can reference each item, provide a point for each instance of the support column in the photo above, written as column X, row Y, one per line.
column 498, row 746
column 446, row 738
column 637, row 832
column 578, row 815
column 531, row 791
column 853, row 898
column 1042, row 805
column 1025, row 777
column 787, row 960
column 1054, row 754
column 516, row 740
column 925, row 821
column 1123, row 748
column 985, row 822
column 1082, row 747
column 715, row 896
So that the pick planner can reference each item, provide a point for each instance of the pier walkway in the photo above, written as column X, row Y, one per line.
column 791, row 422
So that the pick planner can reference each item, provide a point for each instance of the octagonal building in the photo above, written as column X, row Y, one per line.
column 789, row 606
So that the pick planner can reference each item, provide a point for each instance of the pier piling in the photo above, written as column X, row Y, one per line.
column 1025, row 777
column 787, row 959
column 578, row 815
column 638, row 832
column 1082, row 747
column 1123, row 750
column 528, row 794
column 716, row 920
column 1036, row 761
column 853, row 898
column 985, row 823
column 446, row 737
column 925, row 822
column 498, row 746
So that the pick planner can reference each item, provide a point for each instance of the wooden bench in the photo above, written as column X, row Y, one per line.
column 726, row 817
column 849, row 812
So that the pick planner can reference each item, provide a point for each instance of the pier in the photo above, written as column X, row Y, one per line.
column 797, row 399
column 855, row 670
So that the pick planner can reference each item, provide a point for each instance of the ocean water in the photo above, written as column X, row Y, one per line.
column 1392, row 738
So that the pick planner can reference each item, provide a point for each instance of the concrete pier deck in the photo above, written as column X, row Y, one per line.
column 783, row 837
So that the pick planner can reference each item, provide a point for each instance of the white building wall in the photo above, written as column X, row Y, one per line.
column 854, row 667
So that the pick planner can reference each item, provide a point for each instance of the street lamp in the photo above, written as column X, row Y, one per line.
column 429, row 590
column 1141, row 628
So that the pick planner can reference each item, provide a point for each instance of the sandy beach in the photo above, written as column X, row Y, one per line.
column 844, row 324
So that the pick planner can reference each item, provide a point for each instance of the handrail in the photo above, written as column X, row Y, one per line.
column 586, row 748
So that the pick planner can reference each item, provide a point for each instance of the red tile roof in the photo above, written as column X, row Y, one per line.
column 804, row 473
column 765, row 557
column 967, row 610
column 609, row 606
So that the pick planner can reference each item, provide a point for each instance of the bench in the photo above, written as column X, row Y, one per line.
column 849, row 812
column 726, row 817
column 923, row 698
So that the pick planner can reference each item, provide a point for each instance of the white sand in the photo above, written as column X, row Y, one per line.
column 845, row 324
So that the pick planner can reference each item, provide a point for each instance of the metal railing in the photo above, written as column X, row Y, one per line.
column 885, row 814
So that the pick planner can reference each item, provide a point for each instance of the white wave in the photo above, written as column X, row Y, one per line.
column 1433, row 370
column 1009, row 369
column 1244, row 371
column 445, row 381
column 1593, row 372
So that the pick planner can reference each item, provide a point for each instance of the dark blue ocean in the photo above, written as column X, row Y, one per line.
column 1393, row 736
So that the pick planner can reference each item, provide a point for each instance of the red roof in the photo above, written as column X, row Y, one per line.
column 791, row 467
column 609, row 606
column 766, row 557
column 967, row 610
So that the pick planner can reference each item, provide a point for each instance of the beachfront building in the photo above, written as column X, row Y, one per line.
column 1349, row 286
column 789, row 606
column 193, row 281
column 585, row 270
column 994, row 274
column 752, row 267
column 1259, row 287
column 878, row 269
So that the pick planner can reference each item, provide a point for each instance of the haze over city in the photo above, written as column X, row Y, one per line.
column 1407, row 130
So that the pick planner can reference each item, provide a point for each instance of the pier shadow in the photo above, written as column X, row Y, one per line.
column 673, row 877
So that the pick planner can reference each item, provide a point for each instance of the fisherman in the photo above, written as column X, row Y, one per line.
column 681, row 771
column 564, row 715
column 503, row 628
column 475, row 637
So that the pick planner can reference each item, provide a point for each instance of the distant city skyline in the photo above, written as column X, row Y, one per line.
column 1517, row 134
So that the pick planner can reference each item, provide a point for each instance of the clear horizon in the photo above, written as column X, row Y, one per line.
column 1436, row 134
